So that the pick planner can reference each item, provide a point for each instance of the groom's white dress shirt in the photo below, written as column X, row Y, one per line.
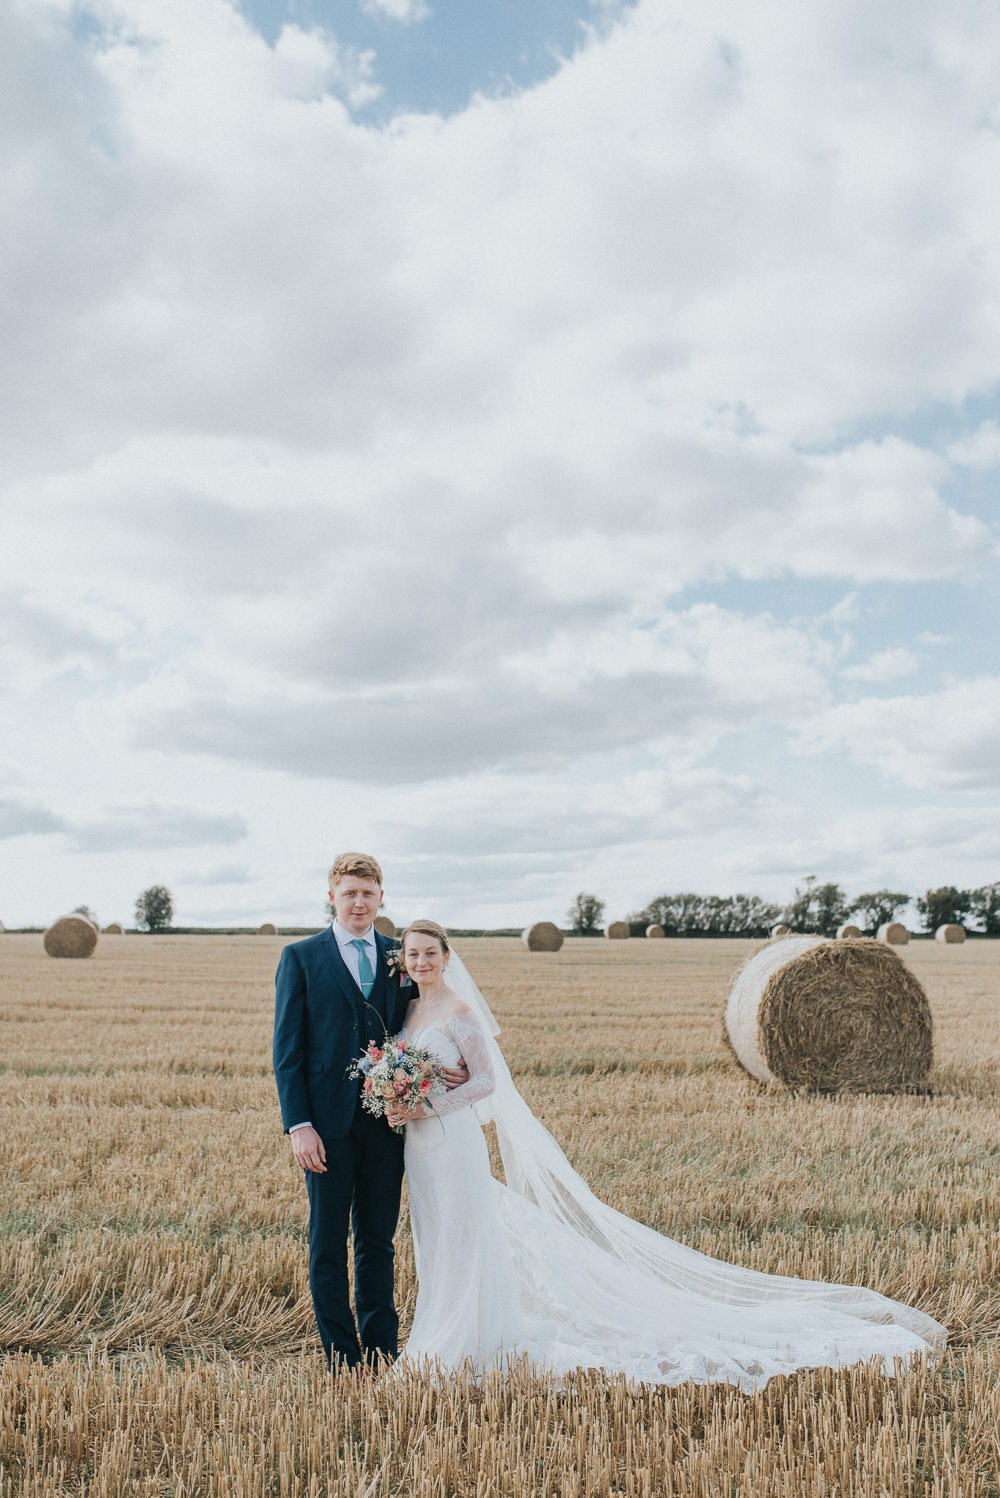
column 351, row 956
column 350, row 953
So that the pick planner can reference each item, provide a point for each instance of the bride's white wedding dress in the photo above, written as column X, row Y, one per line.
column 540, row 1268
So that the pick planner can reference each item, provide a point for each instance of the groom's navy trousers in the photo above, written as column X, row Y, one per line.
column 321, row 1023
column 364, row 1174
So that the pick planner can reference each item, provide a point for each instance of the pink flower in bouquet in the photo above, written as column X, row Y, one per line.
column 396, row 1074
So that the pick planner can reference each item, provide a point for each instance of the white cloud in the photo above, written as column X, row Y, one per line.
column 154, row 826
column 215, row 874
column 980, row 449
column 683, row 679
column 943, row 739
column 26, row 818
column 872, row 847
column 884, row 665
column 404, row 11
column 354, row 453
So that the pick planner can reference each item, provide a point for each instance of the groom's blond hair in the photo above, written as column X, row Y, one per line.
column 356, row 865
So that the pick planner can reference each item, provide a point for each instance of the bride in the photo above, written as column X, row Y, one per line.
column 541, row 1269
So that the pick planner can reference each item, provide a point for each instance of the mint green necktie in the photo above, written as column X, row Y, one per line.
column 365, row 974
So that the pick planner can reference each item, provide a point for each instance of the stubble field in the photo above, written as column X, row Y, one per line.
column 154, row 1309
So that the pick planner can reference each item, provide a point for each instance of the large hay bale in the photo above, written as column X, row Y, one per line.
column 114, row 928
column 617, row 931
column 830, row 1016
column 893, row 934
column 780, row 931
column 849, row 932
column 655, row 931
column 543, row 936
column 385, row 925
column 72, row 936
column 951, row 934
column 267, row 928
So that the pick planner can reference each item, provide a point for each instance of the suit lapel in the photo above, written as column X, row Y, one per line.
column 395, row 997
column 341, row 975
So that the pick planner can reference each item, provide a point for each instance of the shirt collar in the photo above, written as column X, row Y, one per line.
column 345, row 937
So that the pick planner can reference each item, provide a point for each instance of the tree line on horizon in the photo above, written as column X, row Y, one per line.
column 815, row 909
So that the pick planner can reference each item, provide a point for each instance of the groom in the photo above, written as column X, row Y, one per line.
column 333, row 994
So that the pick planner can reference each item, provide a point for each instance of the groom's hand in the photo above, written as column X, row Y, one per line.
column 454, row 1076
column 307, row 1147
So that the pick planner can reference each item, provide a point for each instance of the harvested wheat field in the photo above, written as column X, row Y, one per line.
column 154, row 1309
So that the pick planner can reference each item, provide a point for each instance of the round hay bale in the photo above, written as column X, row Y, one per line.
column 617, row 931
column 849, row 932
column 655, row 931
column 71, row 936
column 114, row 928
column 830, row 1016
column 385, row 925
column 893, row 934
column 951, row 934
column 780, row 931
column 543, row 936
column 268, row 928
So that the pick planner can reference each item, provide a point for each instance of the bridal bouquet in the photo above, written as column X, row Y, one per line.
column 396, row 1072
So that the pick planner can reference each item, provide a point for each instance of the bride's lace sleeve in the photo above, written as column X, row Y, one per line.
column 469, row 1038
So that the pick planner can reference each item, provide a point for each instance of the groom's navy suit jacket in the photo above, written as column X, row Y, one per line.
column 319, row 1029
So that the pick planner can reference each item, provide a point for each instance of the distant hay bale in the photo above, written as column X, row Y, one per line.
column 114, row 928
column 543, row 936
column 849, row 932
column 830, row 1016
column 71, row 936
column 268, row 928
column 951, row 934
column 780, row 931
column 385, row 925
column 655, row 931
column 893, row 934
column 617, row 931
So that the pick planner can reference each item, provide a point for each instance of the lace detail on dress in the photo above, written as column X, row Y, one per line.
column 466, row 1034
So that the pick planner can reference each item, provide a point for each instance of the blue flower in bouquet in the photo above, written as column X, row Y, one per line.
column 396, row 1074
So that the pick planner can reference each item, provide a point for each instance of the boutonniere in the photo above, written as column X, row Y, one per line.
column 396, row 968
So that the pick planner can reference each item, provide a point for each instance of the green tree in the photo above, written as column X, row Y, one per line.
column 798, row 912
column 585, row 914
column 877, row 908
column 946, row 906
column 751, row 916
column 154, row 908
column 659, row 912
column 87, row 914
column 830, row 905
column 984, row 907
column 816, row 908
column 688, row 914
column 679, row 915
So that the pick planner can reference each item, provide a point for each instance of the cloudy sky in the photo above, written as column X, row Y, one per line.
column 551, row 444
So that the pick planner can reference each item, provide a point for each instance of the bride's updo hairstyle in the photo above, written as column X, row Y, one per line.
column 427, row 928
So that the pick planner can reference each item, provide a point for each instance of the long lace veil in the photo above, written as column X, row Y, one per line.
column 536, row 1168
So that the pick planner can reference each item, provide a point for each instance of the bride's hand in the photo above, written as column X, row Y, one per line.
column 398, row 1116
